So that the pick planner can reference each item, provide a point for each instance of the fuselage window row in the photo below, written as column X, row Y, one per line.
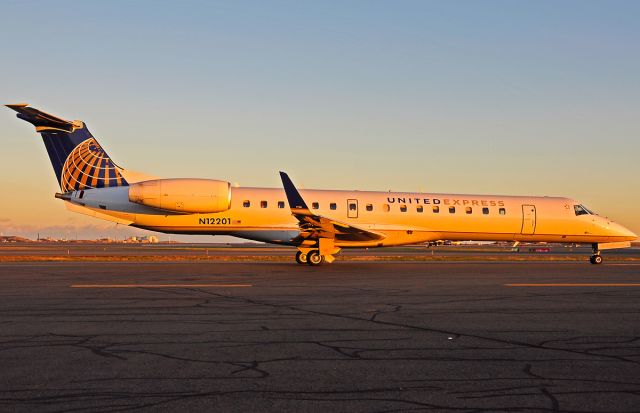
column 386, row 208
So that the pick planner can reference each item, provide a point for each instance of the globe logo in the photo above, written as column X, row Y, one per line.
column 88, row 166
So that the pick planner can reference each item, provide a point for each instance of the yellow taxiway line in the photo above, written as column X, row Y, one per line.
column 160, row 285
column 575, row 285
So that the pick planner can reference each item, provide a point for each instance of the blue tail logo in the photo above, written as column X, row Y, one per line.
column 77, row 158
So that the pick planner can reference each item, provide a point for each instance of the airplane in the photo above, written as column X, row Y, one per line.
column 319, row 223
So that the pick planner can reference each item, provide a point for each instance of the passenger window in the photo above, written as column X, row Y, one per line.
column 468, row 210
column 502, row 211
column 419, row 209
column 280, row 204
column 246, row 203
column 403, row 208
column 369, row 207
column 436, row 209
column 485, row 211
column 386, row 208
column 452, row 210
column 315, row 205
column 333, row 206
column 352, row 206
column 263, row 204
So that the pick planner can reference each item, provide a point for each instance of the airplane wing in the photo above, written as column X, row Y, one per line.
column 313, row 226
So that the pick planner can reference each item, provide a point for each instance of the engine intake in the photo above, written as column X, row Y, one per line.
column 183, row 195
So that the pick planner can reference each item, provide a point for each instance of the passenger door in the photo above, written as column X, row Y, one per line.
column 352, row 208
column 528, row 220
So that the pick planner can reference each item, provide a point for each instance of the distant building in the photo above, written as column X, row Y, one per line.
column 150, row 239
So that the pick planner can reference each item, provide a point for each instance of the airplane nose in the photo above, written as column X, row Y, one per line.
column 621, row 231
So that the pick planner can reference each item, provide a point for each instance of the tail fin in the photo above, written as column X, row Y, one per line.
column 77, row 158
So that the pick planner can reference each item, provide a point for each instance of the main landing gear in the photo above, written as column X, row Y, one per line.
column 323, row 251
column 313, row 257
column 301, row 257
column 596, row 258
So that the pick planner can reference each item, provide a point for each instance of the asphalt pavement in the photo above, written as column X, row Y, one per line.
column 348, row 337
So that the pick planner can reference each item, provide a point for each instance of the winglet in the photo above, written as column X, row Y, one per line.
column 296, row 203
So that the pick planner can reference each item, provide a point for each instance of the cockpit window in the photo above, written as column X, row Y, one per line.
column 581, row 210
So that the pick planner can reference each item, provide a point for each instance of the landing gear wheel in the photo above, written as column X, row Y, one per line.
column 301, row 257
column 314, row 258
column 595, row 259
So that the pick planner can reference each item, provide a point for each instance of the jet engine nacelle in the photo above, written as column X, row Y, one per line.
column 183, row 195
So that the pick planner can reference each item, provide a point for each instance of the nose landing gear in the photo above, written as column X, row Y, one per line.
column 596, row 258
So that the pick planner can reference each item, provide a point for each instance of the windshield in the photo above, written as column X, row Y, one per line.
column 582, row 210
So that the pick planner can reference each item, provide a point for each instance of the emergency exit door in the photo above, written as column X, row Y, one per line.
column 528, row 220
column 352, row 208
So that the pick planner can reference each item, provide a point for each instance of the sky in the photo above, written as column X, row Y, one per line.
column 483, row 97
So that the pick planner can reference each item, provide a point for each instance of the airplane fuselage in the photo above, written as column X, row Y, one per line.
column 262, row 214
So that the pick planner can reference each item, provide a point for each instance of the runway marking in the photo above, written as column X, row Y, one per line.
column 622, row 264
column 575, row 285
column 160, row 285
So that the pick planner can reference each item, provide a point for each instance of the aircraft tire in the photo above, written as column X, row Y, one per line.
column 301, row 257
column 314, row 258
column 595, row 259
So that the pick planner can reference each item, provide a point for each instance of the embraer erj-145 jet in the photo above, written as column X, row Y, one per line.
column 317, row 222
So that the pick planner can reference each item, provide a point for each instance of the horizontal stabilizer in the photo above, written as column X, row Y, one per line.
column 41, row 119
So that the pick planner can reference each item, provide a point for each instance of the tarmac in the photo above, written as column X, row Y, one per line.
column 348, row 337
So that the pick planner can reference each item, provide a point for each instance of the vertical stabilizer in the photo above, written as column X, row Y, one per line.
column 78, row 160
